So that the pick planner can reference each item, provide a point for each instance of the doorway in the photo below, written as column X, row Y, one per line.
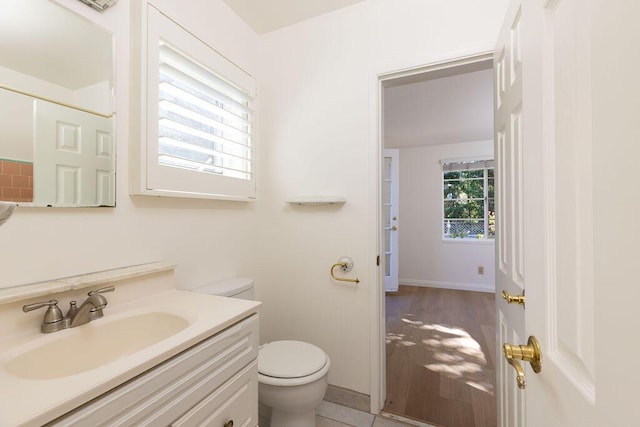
column 439, row 325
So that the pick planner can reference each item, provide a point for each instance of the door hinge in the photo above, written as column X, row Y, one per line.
column 378, row 260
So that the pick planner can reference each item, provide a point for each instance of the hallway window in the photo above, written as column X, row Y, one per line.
column 468, row 200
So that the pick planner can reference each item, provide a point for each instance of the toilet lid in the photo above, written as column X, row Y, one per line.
column 290, row 359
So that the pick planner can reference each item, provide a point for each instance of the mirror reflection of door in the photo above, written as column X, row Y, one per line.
column 74, row 157
column 390, row 194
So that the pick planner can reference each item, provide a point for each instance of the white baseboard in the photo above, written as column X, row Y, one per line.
column 449, row 285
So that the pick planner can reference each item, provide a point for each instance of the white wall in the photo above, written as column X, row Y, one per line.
column 208, row 240
column 317, row 136
column 426, row 259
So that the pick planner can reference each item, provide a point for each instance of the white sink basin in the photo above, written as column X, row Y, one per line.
column 94, row 344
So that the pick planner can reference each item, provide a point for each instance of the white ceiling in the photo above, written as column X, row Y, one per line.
column 269, row 15
column 445, row 110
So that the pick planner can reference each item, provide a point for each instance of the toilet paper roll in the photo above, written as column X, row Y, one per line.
column 6, row 209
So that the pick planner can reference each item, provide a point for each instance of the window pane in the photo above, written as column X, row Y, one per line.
column 386, row 168
column 452, row 175
column 460, row 229
column 451, row 190
column 387, row 241
column 467, row 210
column 463, row 190
column 492, row 222
column 491, row 189
column 474, row 188
column 387, row 216
column 478, row 173
column 387, row 264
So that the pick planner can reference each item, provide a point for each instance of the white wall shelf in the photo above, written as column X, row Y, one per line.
column 316, row 200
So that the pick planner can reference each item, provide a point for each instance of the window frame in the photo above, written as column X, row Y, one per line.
column 163, row 180
column 469, row 165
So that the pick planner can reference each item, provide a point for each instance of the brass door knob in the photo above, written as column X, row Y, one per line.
column 529, row 353
column 514, row 299
column 394, row 228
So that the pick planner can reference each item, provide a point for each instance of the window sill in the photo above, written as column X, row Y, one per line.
column 191, row 195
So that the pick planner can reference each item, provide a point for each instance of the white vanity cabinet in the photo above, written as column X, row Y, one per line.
column 214, row 383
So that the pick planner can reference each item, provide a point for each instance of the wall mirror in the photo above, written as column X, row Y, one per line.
column 57, row 146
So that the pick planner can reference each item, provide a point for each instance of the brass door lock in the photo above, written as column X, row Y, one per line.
column 529, row 353
column 514, row 299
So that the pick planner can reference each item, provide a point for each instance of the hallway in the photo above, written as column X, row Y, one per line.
column 441, row 356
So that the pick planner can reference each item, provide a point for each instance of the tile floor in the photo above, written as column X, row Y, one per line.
column 330, row 414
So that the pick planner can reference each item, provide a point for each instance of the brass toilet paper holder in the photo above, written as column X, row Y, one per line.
column 346, row 265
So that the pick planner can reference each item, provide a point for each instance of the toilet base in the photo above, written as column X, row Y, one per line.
column 290, row 406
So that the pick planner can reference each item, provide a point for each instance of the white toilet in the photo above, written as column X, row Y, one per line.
column 292, row 375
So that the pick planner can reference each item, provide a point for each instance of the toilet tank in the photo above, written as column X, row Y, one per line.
column 235, row 287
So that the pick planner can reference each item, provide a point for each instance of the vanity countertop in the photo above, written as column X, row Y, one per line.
column 32, row 402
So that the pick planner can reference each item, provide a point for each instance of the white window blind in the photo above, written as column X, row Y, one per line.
column 457, row 165
column 200, row 138
column 205, row 122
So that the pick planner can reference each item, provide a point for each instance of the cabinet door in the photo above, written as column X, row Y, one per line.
column 171, row 389
column 234, row 401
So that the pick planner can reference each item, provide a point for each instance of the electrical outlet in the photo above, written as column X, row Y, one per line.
column 481, row 269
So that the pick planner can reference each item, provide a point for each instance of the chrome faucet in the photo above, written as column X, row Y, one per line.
column 89, row 310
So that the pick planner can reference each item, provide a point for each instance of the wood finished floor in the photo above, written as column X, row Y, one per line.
column 441, row 356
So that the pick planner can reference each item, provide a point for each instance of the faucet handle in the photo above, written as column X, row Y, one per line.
column 53, row 318
column 102, row 290
column 100, row 302
column 52, row 304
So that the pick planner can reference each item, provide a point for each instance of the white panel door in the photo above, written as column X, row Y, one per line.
column 510, row 244
column 567, row 131
column 560, row 304
column 390, row 210
column 74, row 163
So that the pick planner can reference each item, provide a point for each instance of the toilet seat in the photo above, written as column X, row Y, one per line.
column 291, row 363
column 290, row 359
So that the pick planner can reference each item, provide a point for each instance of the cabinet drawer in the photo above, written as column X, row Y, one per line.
column 167, row 391
column 234, row 401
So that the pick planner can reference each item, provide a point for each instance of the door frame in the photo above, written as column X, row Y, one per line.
column 466, row 63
